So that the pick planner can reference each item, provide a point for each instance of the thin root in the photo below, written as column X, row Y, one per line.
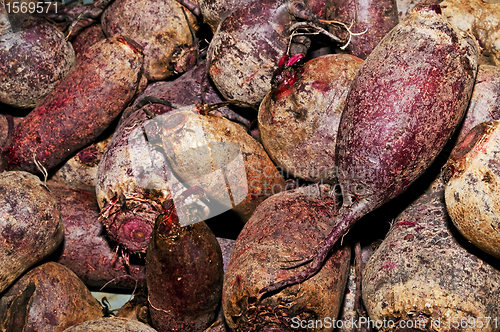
column 348, row 28
column 42, row 170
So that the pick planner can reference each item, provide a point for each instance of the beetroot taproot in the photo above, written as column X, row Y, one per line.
column 80, row 107
column 408, row 98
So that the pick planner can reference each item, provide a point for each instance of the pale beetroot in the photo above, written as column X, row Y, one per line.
column 298, row 121
column 408, row 98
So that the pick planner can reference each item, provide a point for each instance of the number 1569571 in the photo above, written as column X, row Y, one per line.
column 38, row 7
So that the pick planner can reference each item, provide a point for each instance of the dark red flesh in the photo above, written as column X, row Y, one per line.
column 408, row 98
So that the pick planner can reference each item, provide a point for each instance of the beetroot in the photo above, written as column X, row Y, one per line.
column 34, row 57
column 86, row 249
column 79, row 108
column 184, row 275
column 213, row 154
column 133, row 180
column 425, row 275
column 485, row 101
column 249, row 44
column 298, row 122
column 285, row 226
column 472, row 191
column 160, row 27
column 373, row 17
column 30, row 223
column 408, row 98
column 48, row 298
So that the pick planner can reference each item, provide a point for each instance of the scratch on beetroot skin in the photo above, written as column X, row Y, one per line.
column 388, row 266
column 267, row 65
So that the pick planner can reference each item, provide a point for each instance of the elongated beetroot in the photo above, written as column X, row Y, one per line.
column 373, row 17
column 86, row 249
column 408, row 98
column 80, row 107
column 184, row 275
column 34, row 57
column 287, row 224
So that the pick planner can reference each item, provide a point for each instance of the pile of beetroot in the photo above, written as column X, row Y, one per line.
column 250, row 165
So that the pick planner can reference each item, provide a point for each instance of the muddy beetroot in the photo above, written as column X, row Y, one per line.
column 408, row 98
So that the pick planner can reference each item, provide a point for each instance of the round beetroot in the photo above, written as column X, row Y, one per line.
column 298, row 123
column 34, row 56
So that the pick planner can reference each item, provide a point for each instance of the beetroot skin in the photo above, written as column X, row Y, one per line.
column 408, row 98
column 80, row 107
